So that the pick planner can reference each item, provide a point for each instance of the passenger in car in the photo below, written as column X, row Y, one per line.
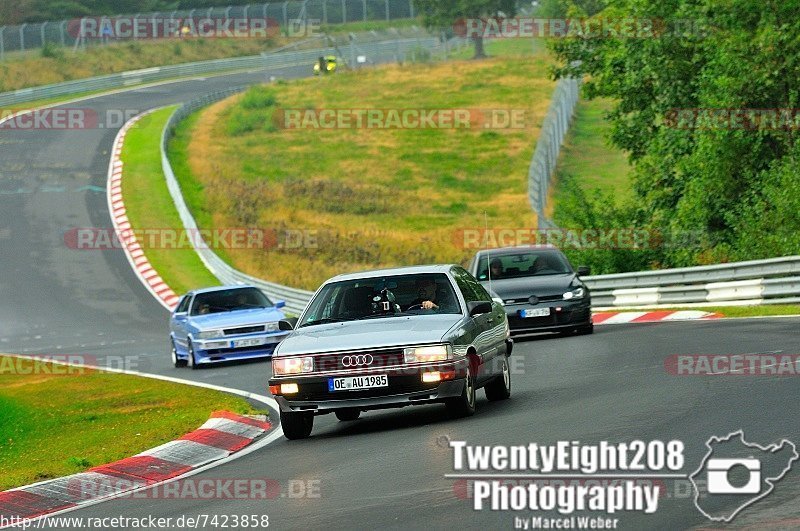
column 496, row 268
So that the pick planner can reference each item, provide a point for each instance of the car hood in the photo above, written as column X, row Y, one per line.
column 254, row 316
column 541, row 286
column 368, row 333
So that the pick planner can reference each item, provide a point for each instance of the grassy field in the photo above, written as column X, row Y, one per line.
column 58, row 420
column 56, row 65
column 587, row 155
column 149, row 205
column 370, row 197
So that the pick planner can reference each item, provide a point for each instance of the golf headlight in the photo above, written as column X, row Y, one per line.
column 210, row 334
column 427, row 354
column 577, row 293
column 284, row 366
column 272, row 327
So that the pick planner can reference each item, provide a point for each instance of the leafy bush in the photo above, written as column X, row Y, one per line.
column 52, row 51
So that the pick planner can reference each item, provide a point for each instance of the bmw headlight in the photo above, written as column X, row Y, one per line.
column 210, row 334
column 272, row 327
column 427, row 354
column 577, row 293
column 297, row 365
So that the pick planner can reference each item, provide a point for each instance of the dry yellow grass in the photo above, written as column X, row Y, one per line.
column 372, row 197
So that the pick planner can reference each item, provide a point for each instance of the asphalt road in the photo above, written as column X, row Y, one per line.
column 386, row 469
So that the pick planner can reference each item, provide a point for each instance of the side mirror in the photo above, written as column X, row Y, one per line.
column 479, row 307
column 179, row 315
column 287, row 324
column 583, row 271
column 280, row 304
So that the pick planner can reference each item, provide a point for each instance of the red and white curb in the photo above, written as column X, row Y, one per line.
column 223, row 435
column 604, row 318
column 122, row 226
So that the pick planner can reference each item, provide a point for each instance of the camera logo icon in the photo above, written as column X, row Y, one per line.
column 718, row 481
column 735, row 474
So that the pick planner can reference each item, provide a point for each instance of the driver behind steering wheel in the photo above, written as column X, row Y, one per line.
column 427, row 295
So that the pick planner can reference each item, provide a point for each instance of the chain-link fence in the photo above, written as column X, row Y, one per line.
column 545, row 157
column 68, row 32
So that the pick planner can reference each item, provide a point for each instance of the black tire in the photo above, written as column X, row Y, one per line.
column 192, row 362
column 347, row 414
column 464, row 405
column 586, row 330
column 176, row 362
column 500, row 387
column 296, row 425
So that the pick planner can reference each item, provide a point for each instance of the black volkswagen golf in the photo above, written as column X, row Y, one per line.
column 541, row 292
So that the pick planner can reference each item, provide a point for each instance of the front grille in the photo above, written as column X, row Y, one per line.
column 243, row 330
column 241, row 350
column 543, row 298
column 380, row 358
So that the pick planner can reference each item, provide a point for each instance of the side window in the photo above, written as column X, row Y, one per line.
column 183, row 306
column 483, row 295
column 467, row 288
column 327, row 309
column 477, row 291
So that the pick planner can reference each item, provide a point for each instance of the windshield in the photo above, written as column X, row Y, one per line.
column 523, row 264
column 229, row 300
column 372, row 298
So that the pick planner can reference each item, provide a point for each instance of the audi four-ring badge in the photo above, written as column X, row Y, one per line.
column 391, row 338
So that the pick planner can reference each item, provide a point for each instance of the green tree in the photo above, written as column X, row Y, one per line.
column 445, row 14
column 692, row 175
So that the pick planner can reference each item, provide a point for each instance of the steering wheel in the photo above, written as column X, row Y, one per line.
column 414, row 306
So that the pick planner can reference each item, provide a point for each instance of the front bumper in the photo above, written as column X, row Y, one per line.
column 229, row 348
column 405, row 388
column 563, row 315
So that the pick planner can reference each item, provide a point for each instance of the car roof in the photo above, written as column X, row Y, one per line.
column 518, row 248
column 408, row 270
column 219, row 288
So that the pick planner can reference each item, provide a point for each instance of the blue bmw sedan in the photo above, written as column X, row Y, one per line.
column 224, row 323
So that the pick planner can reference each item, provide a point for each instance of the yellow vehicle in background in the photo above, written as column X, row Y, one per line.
column 325, row 65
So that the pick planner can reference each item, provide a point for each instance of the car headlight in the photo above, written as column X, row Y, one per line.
column 272, row 327
column 284, row 366
column 427, row 354
column 577, row 293
column 210, row 334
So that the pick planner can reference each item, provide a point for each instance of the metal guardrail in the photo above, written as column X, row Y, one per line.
column 62, row 33
column 771, row 281
column 266, row 60
column 296, row 299
column 548, row 146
